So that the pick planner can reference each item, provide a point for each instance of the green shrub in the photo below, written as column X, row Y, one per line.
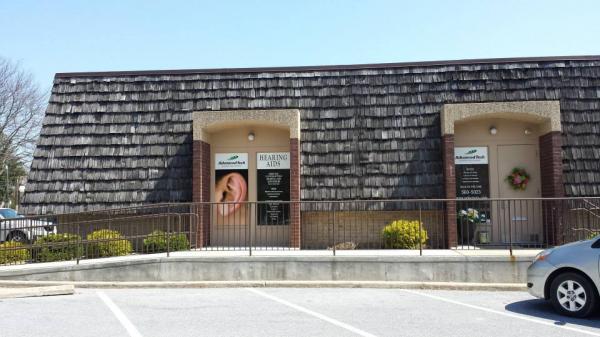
column 58, row 247
column 591, row 234
column 404, row 234
column 108, row 243
column 156, row 242
column 349, row 245
column 10, row 255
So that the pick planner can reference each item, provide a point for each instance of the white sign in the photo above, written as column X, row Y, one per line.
column 231, row 161
column 470, row 155
column 273, row 161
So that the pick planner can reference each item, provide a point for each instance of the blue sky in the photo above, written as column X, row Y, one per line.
column 64, row 36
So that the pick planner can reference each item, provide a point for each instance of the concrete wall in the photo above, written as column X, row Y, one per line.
column 487, row 269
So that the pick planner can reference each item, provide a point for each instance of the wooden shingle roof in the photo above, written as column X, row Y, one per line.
column 368, row 131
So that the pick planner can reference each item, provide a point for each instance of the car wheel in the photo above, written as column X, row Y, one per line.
column 572, row 295
column 17, row 236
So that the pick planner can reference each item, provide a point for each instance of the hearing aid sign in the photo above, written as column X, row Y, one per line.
column 231, row 183
column 273, row 177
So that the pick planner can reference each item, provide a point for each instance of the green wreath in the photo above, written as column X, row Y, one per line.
column 518, row 179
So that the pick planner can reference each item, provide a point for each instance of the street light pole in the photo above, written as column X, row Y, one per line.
column 21, row 191
column 7, row 196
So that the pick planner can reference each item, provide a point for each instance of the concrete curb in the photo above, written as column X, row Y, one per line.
column 30, row 290
column 272, row 284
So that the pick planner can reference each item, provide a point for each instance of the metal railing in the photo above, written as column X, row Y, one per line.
column 160, row 228
column 326, row 225
column 591, row 208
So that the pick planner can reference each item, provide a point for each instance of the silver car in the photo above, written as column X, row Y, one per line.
column 568, row 276
column 15, row 227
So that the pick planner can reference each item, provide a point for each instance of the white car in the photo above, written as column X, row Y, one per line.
column 568, row 276
column 15, row 227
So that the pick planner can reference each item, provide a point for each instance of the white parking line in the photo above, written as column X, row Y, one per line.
column 508, row 314
column 312, row 313
column 131, row 329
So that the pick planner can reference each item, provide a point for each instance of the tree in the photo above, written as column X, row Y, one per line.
column 10, row 180
column 22, row 105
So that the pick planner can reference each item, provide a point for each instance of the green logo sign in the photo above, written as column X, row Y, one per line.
column 235, row 156
column 472, row 151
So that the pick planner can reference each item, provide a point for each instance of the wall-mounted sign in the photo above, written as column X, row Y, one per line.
column 231, row 161
column 470, row 155
column 273, row 178
column 472, row 172
column 273, row 160
column 231, row 184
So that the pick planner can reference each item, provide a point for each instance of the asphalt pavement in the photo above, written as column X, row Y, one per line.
column 287, row 312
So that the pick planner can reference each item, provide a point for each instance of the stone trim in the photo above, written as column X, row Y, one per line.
column 545, row 113
column 204, row 121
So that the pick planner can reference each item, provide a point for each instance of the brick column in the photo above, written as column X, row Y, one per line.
column 295, row 239
column 201, row 190
column 552, row 184
column 450, row 230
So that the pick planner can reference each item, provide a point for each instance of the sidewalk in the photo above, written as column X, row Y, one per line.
column 29, row 289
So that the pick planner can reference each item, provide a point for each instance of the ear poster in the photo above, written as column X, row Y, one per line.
column 273, row 180
column 231, row 182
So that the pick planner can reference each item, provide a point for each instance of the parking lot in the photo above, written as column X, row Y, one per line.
column 287, row 312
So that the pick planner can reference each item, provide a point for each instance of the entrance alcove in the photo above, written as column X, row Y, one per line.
column 243, row 133
column 510, row 143
column 237, row 228
column 515, row 134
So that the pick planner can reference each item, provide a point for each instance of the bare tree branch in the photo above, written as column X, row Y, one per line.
column 22, row 105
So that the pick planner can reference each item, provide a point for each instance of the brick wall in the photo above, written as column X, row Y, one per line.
column 295, row 238
column 551, row 165
column 551, row 169
column 450, row 231
column 201, row 190
column 364, row 228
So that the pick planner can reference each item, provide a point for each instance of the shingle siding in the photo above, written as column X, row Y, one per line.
column 120, row 140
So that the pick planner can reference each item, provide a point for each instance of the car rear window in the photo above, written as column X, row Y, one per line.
column 8, row 213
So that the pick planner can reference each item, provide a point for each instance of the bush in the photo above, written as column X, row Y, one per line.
column 592, row 234
column 10, row 255
column 345, row 246
column 109, row 243
column 58, row 247
column 404, row 234
column 156, row 242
